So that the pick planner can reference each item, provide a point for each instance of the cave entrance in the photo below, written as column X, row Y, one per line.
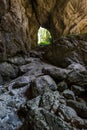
column 44, row 37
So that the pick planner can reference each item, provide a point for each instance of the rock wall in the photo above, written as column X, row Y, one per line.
column 67, row 50
column 62, row 17
column 17, row 27
column 21, row 19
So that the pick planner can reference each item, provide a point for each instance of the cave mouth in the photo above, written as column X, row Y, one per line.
column 44, row 37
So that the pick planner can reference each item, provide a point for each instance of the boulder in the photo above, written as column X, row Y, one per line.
column 50, row 101
column 79, row 78
column 17, row 60
column 34, row 103
column 7, row 70
column 66, row 51
column 68, row 94
column 77, row 89
column 56, row 73
column 44, row 120
column 76, row 67
column 70, row 115
column 20, row 82
column 31, row 68
column 67, row 112
column 80, row 108
column 62, row 86
column 41, row 85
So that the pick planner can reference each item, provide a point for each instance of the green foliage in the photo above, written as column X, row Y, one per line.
column 44, row 37
column 44, row 43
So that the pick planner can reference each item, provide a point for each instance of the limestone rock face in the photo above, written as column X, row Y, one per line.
column 62, row 17
column 21, row 19
column 75, row 17
column 16, row 19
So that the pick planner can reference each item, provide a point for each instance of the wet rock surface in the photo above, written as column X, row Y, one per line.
column 35, row 95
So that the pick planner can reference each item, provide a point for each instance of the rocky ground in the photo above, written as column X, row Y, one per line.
column 36, row 95
column 42, row 96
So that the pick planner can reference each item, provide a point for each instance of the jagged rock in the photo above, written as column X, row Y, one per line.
column 76, row 67
column 68, row 94
column 7, row 70
column 78, row 74
column 15, row 32
column 17, row 83
column 18, row 60
column 67, row 112
column 62, row 86
column 30, row 59
column 77, row 89
column 54, row 14
column 41, row 106
column 42, row 119
column 8, row 117
column 66, row 51
column 80, row 108
column 79, row 78
column 70, row 115
column 41, row 84
column 20, row 82
column 1, row 79
column 50, row 101
column 79, row 123
column 11, row 21
column 62, row 100
column 12, row 122
column 31, row 67
column 56, row 73
column 34, row 103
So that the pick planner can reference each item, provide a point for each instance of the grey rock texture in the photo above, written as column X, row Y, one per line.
column 80, row 108
column 41, row 84
column 7, row 70
column 41, row 97
column 68, row 94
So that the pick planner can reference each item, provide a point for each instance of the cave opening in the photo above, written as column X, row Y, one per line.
column 44, row 36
